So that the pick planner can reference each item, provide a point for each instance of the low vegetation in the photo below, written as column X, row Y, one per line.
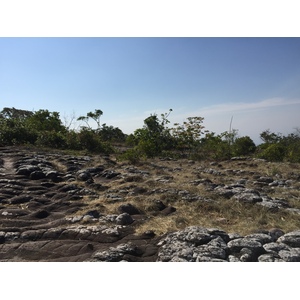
column 155, row 139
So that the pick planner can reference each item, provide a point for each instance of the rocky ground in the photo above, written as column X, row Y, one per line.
column 62, row 207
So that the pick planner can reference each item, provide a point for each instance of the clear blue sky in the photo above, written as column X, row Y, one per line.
column 254, row 80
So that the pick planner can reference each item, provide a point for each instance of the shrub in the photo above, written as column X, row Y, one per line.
column 133, row 155
column 88, row 139
column 51, row 139
column 273, row 152
column 213, row 147
column 243, row 146
column 17, row 136
column 72, row 140
column 293, row 152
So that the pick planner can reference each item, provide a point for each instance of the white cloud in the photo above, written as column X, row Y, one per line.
column 242, row 107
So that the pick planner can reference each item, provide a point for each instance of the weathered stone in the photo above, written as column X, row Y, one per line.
column 260, row 237
column 265, row 179
column 237, row 245
column 93, row 213
column 215, row 232
column 36, row 175
column 294, row 210
column 87, row 219
column 68, row 188
column 139, row 190
column 168, row 210
column 84, row 175
column 233, row 236
column 193, row 244
column 124, row 219
column 248, row 197
column 113, row 231
column 11, row 236
column 41, row 214
column 292, row 255
column 109, row 174
column 176, row 251
column 14, row 212
column 114, row 254
column 276, row 233
column 292, row 239
column 27, row 170
column 32, row 235
column 20, row 199
column 196, row 235
column 159, row 205
column 95, row 170
column 274, row 248
column 225, row 191
column 274, row 204
column 247, row 255
column 270, row 258
column 232, row 258
column 128, row 208
column 2, row 237
column 53, row 175
column 215, row 249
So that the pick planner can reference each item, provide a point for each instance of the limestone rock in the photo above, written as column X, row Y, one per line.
column 124, row 219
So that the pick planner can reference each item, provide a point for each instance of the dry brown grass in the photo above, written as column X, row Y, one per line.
column 228, row 215
column 60, row 167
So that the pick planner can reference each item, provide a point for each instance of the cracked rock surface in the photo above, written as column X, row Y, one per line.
column 46, row 212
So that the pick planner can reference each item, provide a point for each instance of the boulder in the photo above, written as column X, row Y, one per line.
column 291, row 239
column 129, row 209
column 124, row 219
column 114, row 254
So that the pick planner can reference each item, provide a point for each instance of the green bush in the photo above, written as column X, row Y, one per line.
column 243, row 146
column 149, row 147
column 213, row 147
column 51, row 139
column 293, row 152
column 17, row 136
column 133, row 156
column 88, row 139
column 273, row 152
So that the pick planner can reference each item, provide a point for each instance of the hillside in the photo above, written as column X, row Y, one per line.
column 58, row 206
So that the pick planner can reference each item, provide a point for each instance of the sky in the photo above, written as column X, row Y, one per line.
column 133, row 59
column 253, row 82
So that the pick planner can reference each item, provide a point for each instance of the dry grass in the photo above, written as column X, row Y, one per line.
column 59, row 166
column 228, row 215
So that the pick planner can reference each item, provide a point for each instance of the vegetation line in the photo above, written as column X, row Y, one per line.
column 155, row 139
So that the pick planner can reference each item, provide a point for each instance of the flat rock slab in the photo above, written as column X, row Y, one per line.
column 40, row 194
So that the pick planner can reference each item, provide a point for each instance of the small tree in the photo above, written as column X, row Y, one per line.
column 214, row 147
column 269, row 137
column 243, row 146
column 273, row 152
column 153, row 138
column 188, row 134
column 96, row 115
column 111, row 134
column 13, row 113
column 43, row 120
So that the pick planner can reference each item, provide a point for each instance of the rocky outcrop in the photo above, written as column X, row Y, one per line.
column 197, row 244
column 53, row 208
